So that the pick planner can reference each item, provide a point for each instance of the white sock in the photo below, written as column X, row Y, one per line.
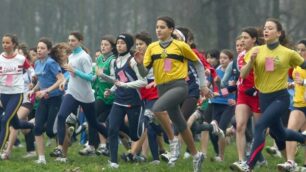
column 102, row 145
column 291, row 161
column 174, row 139
column 42, row 157
column 196, row 155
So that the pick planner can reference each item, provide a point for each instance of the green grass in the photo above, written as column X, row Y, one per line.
column 95, row 163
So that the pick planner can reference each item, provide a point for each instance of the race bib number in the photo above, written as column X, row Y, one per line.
column 9, row 79
column 269, row 66
column 122, row 76
column 167, row 65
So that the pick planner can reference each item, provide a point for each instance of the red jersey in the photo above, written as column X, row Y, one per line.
column 205, row 63
column 248, row 82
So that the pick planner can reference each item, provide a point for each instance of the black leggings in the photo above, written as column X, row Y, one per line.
column 223, row 114
column 116, row 119
column 102, row 111
column 188, row 107
column 171, row 95
column 46, row 114
column 68, row 105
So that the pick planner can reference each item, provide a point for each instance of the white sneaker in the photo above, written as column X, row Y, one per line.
column 30, row 154
column 240, row 166
column 87, row 151
column 300, row 169
column 60, row 159
column 197, row 162
column 216, row 130
column 18, row 146
column 234, row 165
column 216, row 159
column 5, row 156
column 113, row 165
column 288, row 166
column 187, row 155
column 273, row 151
column 155, row 162
column 102, row 150
column 175, row 147
column 40, row 161
column 165, row 156
column 260, row 164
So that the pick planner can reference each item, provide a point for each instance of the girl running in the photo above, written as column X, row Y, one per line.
column 24, row 112
column 297, row 117
column 49, row 76
column 169, row 59
column 271, row 63
column 79, row 92
column 103, row 105
column 148, row 95
column 127, row 98
column 12, row 66
column 247, row 101
column 223, row 106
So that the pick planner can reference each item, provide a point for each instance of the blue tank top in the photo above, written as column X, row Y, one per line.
column 126, row 96
column 192, row 81
column 221, row 99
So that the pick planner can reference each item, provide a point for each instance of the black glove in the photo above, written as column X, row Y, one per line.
column 251, row 92
column 232, row 88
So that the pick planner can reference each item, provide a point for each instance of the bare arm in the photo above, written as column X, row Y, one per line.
column 227, row 75
column 246, row 69
column 140, row 82
column 143, row 71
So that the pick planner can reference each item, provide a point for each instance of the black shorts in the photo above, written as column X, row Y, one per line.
column 28, row 105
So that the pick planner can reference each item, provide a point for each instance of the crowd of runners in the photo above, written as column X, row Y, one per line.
column 155, row 96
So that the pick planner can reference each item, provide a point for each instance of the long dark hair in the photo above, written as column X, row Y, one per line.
column 47, row 42
column 145, row 37
column 56, row 51
column 24, row 48
column 13, row 38
column 80, row 37
column 254, row 33
column 229, row 53
column 169, row 22
column 111, row 39
column 188, row 36
column 303, row 41
column 283, row 40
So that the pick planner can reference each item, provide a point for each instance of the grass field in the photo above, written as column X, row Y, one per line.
column 95, row 163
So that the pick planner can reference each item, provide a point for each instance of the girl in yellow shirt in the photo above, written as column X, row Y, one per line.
column 297, row 116
column 169, row 60
column 271, row 63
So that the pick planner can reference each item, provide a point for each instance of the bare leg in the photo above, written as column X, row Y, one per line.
column 145, row 147
column 136, row 147
column 204, row 141
column 188, row 139
column 165, row 123
column 296, row 121
column 40, row 145
column 242, row 115
column 22, row 113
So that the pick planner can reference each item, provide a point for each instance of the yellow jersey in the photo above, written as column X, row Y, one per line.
column 298, row 99
column 169, row 63
column 268, row 81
